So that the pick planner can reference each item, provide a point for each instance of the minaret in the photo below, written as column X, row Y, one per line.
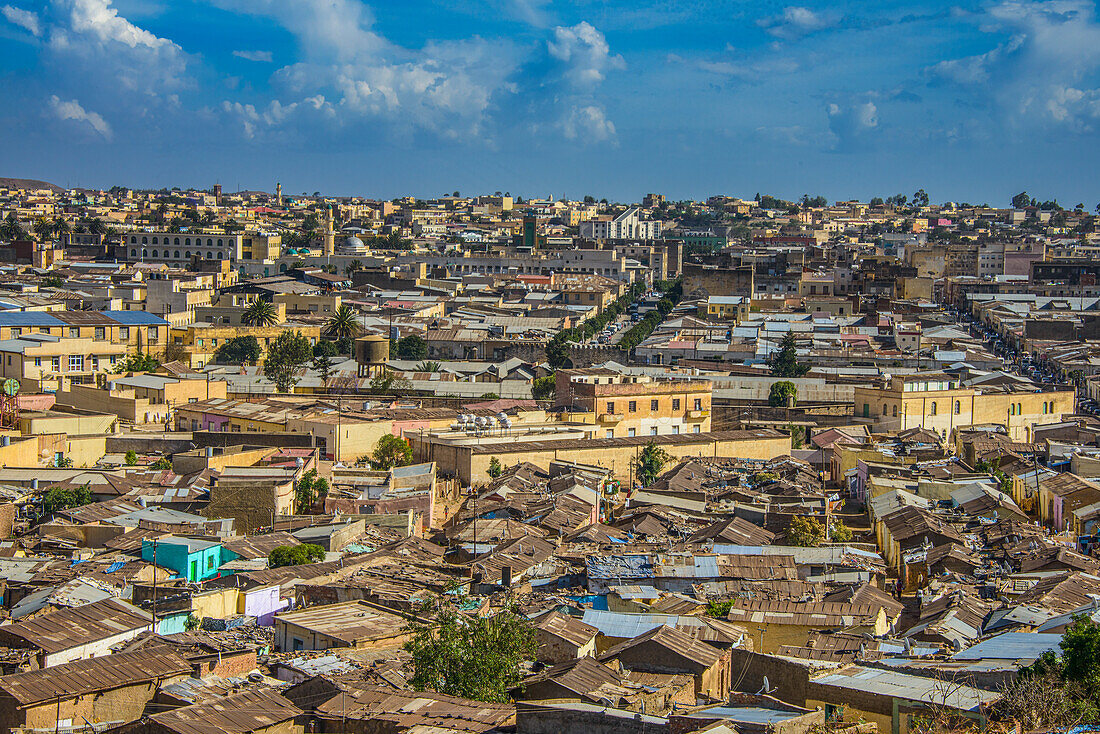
column 329, row 235
column 278, row 194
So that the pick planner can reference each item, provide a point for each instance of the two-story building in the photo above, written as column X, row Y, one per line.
column 635, row 405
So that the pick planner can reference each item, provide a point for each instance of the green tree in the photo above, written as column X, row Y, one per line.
column 11, row 229
column 557, row 354
column 239, row 350
column 495, row 469
column 259, row 313
column 543, row 388
column 287, row 352
column 1021, row 200
column 131, row 458
column 325, row 348
column 43, row 228
column 343, row 324
column 63, row 462
column 308, row 490
column 162, row 464
column 391, row 451
column 295, row 555
column 719, row 609
column 807, row 532
column 471, row 657
column 782, row 393
column 412, row 347
column 428, row 366
column 323, row 365
column 784, row 363
column 648, row 465
column 841, row 533
column 62, row 498
column 137, row 362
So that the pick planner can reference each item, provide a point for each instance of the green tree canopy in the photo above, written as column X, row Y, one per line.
column 412, row 347
column 289, row 351
column 495, row 469
column 62, row 498
column 259, row 313
column 781, row 392
column 343, row 324
column 649, row 463
column 295, row 555
column 391, row 451
column 784, row 363
column 131, row 458
column 543, row 388
column 471, row 657
column 239, row 350
column 137, row 362
column 807, row 532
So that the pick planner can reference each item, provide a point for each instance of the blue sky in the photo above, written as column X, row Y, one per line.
column 972, row 101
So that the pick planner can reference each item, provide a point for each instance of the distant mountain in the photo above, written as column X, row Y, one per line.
column 28, row 183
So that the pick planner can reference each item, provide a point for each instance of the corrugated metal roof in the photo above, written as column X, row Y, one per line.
column 1011, row 646
column 244, row 712
column 95, row 674
column 67, row 628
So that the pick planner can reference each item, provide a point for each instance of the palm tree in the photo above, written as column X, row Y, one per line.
column 343, row 324
column 11, row 228
column 96, row 226
column 60, row 226
column 259, row 313
column 353, row 266
column 43, row 228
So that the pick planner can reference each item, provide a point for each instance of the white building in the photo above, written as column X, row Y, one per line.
column 627, row 226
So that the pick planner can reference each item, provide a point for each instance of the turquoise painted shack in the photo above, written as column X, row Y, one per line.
column 191, row 559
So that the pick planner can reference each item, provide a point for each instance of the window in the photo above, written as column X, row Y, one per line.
column 37, row 361
column 676, row 429
column 1045, row 404
column 16, row 333
column 885, row 408
column 958, row 407
column 653, row 431
column 698, row 404
column 76, row 363
column 895, row 411
column 866, row 410
column 1012, row 409
column 55, row 364
column 235, row 428
column 177, row 255
column 932, row 408
column 632, row 406
column 154, row 253
column 630, row 432
column 124, row 332
column 74, row 332
column 100, row 333
column 676, row 403
column 611, row 407
column 209, row 563
column 696, row 429
column 609, row 433
column 654, row 404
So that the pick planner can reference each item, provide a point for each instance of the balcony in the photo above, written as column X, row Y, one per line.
column 698, row 415
column 610, row 417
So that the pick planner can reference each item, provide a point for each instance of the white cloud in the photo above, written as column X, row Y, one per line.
column 851, row 122
column 1044, row 72
column 585, row 53
column 98, row 19
column 254, row 55
column 72, row 110
column 795, row 22
column 588, row 123
column 23, row 18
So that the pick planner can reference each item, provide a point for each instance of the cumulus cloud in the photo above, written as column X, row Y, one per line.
column 1045, row 71
column 588, row 123
column 851, row 122
column 25, row 19
column 585, row 53
column 795, row 22
column 264, row 56
column 72, row 110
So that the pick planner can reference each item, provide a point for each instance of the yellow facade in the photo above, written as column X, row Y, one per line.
column 200, row 341
column 937, row 403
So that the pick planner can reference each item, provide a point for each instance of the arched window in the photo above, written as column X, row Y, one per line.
column 220, row 254
column 220, row 243
column 958, row 407
column 209, row 242
column 1019, row 408
column 154, row 240
column 177, row 254
column 144, row 240
column 282, row 267
column 885, row 409
column 154, row 253
column 176, row 243
column 187, row 241
column 133, row 240
column 133, row 252
column 1046, row 405
column 209, row 256
column 144, row 252
column 187, row 254
column 932, row 408
column 1012, row 408
column 895, row 411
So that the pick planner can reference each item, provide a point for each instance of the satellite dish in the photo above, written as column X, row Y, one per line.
column 766, row 688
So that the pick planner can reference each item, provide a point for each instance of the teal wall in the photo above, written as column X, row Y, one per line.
column 194, row 567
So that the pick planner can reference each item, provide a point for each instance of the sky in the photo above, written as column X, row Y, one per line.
column 973, row 101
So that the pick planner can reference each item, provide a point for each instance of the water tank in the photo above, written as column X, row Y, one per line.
column 372, row 349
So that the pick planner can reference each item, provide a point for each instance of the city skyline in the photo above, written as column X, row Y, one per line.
column 972, row 103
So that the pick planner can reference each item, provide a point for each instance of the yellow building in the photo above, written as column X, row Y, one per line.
column 626, row 405
column 937, row 402
column 200, row 341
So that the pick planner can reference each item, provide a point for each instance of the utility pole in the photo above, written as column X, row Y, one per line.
column 154, row 585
